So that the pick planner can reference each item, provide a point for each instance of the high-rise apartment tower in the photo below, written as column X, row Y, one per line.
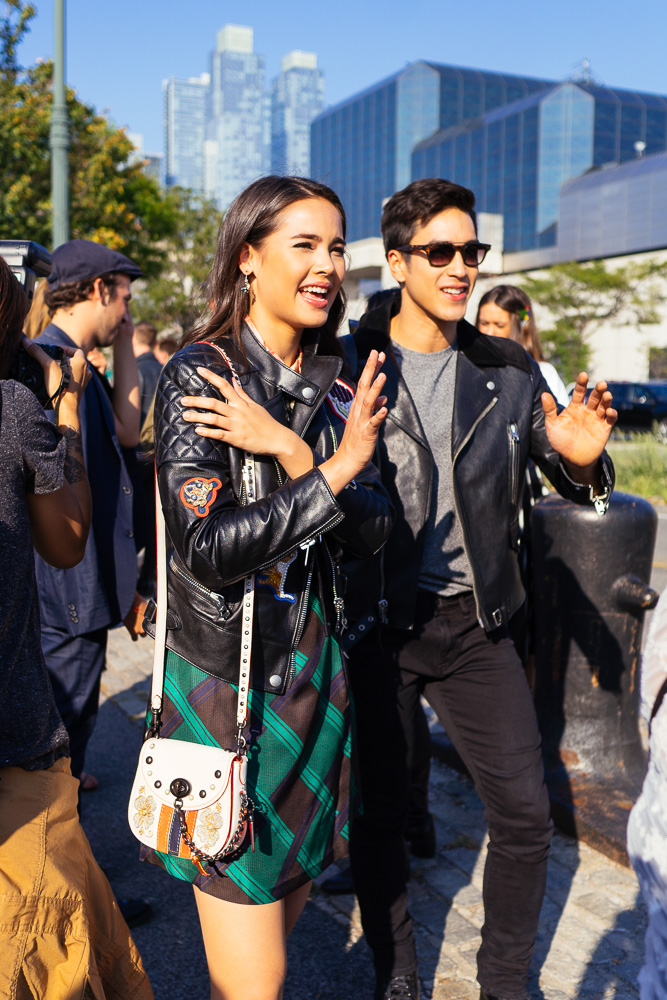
column 297, row 97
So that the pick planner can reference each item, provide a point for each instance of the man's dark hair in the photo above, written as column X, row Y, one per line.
column 71, row 292
column 145, row 333
column 418, row 203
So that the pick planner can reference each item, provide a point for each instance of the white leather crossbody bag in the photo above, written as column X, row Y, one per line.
column 189, row 800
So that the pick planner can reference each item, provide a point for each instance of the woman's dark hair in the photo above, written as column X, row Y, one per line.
column 13, row 310
column 417, row 204
column 523, row 328
column 251, row 218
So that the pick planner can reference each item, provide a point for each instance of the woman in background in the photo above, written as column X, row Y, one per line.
column 506, row 311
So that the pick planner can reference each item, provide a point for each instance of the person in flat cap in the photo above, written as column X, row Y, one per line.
column 88, row 298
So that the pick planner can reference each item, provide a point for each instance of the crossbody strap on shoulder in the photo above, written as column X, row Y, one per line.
column 157, row 689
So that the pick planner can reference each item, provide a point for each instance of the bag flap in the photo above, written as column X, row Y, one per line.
column 207, row 771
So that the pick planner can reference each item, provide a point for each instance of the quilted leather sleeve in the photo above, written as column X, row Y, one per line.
column 199, row 481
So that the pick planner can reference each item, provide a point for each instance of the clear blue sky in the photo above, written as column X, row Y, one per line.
column 119, row 53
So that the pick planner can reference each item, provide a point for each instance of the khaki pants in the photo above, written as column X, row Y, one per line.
column 62, row 935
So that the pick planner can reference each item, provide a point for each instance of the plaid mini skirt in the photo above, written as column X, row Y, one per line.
column 299, row 776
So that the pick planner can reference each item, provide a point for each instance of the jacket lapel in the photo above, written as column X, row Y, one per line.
column 476, row 385
column 372, row 334
column 307, row 389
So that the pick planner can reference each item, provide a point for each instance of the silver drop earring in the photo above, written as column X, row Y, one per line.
column 246, row 284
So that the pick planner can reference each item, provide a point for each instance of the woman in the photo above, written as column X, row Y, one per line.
column 62, row 933
column 275, row 291
column 506, row 311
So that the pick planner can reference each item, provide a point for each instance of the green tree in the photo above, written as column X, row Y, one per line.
column 176, row 298
column 581, row 297
column 111, row 199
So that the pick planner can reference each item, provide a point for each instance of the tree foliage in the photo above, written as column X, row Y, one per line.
column 111, row 198
column 582, row 297
column 176, row 298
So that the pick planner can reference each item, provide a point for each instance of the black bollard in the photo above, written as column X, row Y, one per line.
column 590, row 592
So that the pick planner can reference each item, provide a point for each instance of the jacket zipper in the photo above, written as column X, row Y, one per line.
column 513, row 435
column 195, row 584
column 339, row 603
column 457, row 506
column 301, row 621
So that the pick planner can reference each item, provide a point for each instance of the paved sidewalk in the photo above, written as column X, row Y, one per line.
column 590, row 943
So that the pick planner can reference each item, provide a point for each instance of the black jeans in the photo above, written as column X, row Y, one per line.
column 475, row 683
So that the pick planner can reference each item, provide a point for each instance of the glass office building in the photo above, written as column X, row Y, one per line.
column 516, row 158
column 363, row 146
column 297, row 96
column 616, row 210
column 184, row 121
column 238, row 130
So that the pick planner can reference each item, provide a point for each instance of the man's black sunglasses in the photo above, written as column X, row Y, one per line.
column 441, row 254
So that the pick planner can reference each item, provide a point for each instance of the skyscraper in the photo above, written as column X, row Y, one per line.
column 185, row 104
column 238, row 129
column 297, row 97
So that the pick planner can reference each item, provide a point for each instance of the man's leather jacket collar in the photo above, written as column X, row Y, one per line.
column 475, row 353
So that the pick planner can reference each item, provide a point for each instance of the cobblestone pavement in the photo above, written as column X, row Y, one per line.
column 590, row 942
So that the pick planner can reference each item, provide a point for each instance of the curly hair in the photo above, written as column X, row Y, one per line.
column 71, row 292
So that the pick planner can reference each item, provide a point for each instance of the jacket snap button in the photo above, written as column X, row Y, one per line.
column 129, row 534
column 490, row 385
column 127, row 490
column 308, row 392
column 275, row 680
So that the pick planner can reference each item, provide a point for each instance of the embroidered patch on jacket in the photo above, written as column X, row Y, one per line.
column 340, row 399
column 274, row 578
column 198, row 494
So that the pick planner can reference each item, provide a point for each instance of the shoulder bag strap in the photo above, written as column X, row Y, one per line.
column 161, row 613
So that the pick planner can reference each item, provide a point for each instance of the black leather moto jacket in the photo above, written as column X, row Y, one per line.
column 497, row 425
column 291, row 537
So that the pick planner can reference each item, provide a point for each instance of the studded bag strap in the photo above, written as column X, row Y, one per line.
column 157, row 688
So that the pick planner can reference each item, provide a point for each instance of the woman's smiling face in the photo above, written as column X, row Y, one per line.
column 296, row 273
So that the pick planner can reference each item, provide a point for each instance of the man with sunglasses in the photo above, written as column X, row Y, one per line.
column 466, row 411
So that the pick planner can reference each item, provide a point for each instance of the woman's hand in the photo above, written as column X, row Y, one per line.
column 363, row 423
column 580, row 432
column 242, row 423
column 79, row 373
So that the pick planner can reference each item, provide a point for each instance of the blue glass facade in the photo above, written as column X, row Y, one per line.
column 239, row 121
column 297, row 97
column 184, row 132
column 516, row 158
column 363, row 147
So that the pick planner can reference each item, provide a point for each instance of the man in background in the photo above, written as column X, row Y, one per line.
column 144, row 342
column 88, row 297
